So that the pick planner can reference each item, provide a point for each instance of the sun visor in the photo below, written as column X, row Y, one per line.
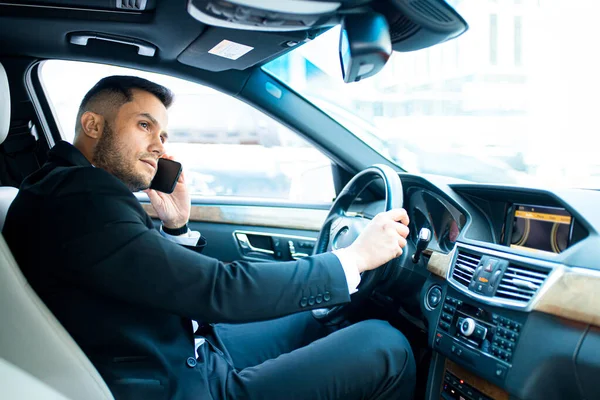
column 219, row 49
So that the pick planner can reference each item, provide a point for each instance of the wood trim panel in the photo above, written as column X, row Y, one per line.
column 439, row 263
column 574, row 295
column 485, row 387
column 272, row 217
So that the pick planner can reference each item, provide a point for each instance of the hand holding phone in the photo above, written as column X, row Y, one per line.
column 169, row 195
column 167, row 174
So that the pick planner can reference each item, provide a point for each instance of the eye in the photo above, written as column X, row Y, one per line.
column 162, row 139
column 145, row 125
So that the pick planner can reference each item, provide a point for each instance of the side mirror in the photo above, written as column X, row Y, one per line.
column 365, row 45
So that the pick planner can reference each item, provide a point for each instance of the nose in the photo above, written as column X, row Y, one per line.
column 157, row 145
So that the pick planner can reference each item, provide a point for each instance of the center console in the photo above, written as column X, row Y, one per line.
column 496, row 305
column 479, row 336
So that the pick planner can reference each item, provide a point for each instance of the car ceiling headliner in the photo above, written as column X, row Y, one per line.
column 42, row 33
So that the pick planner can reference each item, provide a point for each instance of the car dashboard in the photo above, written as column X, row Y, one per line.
column 509, row 296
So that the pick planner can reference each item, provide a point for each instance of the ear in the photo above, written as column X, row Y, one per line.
column 92, row 124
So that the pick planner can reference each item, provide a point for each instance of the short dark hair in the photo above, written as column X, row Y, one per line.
column 114, row 91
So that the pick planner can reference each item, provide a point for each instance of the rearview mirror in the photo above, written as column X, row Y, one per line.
column 365, row 45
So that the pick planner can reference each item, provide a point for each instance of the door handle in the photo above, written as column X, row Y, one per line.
column 245, row 244
column 276, row 246
column 144, row 48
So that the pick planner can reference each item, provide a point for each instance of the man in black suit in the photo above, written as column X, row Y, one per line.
column 128, row 293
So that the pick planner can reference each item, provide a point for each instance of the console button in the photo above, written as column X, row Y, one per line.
column 468, row 326
column 434, row 297
column 495, row 277
column 500, row 371
column 504, row 355
column 480, row 332
column 489, row 264
column 449, row 309
column 457, row 350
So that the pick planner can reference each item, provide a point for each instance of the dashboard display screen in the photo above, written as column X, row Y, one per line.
column 539, row 228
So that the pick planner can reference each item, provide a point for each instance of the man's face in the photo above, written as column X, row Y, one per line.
column 131, row 144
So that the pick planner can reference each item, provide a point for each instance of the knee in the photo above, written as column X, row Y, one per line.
column 379, row 333
column 390, row 358
column 383, row 340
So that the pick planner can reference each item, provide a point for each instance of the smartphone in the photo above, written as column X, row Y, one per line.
column 167, row 173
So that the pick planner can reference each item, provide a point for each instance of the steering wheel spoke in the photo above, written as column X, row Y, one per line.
column 341, row 230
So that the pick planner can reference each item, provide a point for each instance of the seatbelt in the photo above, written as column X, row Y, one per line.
column 19, row 151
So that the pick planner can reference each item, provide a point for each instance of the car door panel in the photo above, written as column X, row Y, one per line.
column 246, row 231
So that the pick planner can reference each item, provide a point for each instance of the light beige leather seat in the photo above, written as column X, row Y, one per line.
column 18, row 384
column 31, row 339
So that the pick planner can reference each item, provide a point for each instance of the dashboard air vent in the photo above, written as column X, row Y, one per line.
column 464, row 267
column 520, row 283
column 134, row 5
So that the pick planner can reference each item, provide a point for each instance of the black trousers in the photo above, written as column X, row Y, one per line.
column 295, row 357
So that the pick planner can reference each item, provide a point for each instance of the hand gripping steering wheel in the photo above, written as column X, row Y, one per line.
column 340, row 230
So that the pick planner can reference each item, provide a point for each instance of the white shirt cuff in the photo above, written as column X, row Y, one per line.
column 190, row 238
column 350, row 270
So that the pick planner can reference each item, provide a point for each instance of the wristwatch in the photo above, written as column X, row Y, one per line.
column 175, row 231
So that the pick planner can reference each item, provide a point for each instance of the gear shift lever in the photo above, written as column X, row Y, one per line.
column 422, row 243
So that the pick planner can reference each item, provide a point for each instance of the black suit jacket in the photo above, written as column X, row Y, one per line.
column 126, row 294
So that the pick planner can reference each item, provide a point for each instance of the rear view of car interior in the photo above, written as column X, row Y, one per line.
column 496, row 289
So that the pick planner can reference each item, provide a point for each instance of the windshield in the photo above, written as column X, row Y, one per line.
column 513, row 100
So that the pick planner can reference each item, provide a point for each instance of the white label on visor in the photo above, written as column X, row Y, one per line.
column 231, row 50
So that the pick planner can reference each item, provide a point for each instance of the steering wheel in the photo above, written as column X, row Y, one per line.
column 340, row 230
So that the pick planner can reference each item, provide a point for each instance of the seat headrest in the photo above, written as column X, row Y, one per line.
column 4, row 105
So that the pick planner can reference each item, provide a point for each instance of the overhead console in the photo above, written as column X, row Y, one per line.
column 413, row 24
column 406, row 26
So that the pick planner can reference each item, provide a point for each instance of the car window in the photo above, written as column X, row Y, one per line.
column 227, row 148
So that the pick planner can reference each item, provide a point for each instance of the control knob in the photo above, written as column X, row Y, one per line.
column 467, row 327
